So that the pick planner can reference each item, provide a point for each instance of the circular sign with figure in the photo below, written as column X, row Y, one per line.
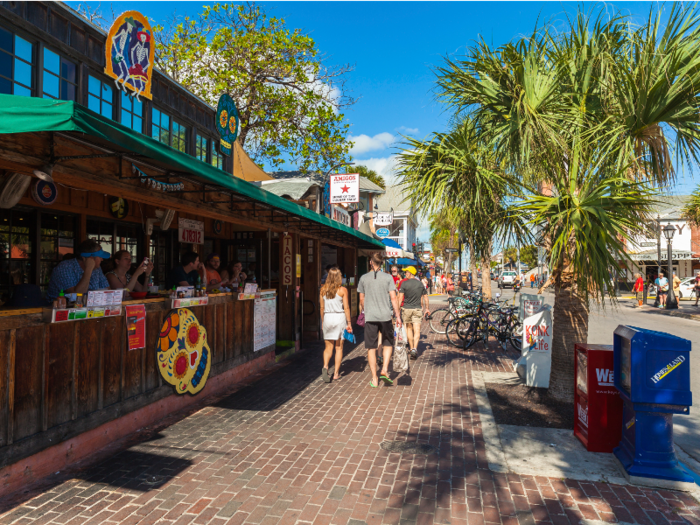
column 182, row 353
column 118, row 207
column 44, row 193
column 218, row 226
column 383, row 232
column 227, row 123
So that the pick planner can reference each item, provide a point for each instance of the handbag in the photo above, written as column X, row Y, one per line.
column 400, row 361
column 348, row 336
column 361, row 319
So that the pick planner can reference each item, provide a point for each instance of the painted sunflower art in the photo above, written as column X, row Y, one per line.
column 184, row 357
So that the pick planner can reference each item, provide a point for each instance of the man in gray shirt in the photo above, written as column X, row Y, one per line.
column 373, row 289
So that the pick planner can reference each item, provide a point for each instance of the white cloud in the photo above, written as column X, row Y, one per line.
column 364, row 143
column 384, row 166
column 407, row 131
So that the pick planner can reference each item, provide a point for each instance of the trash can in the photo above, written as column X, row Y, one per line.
column 652, row 374
column 598, row 417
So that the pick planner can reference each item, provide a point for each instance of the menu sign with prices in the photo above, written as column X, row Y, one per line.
column 345, row 188
column 190, row 231
column 189, row 301
column 104, row 298
column 249, row 292
column 265, row 313
column 78, row 314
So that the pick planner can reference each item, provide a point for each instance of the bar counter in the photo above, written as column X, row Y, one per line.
column 60, row 380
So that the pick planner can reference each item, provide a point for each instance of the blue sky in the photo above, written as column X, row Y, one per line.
column 394, row 47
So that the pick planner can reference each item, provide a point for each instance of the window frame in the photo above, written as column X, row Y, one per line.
column 33, row 65
column 216, row 155
column 130, row 111
column 59, row 75
column 160, row 127
column 88, row 94
column 201, row 145
column 176, row 138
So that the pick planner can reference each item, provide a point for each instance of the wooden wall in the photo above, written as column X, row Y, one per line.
column 59, row 380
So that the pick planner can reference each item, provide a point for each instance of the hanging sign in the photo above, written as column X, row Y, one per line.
column 190, row 231
column 383, row 218
column 130, row 52
column 383, row 232
column 156, row 184
column 341, row 215
column 182, row 352
column 118, row 207
column 345, row 188
column 287, row 260
column 227, row 123
column 44, row 193
column 136, row 326
column 393, row 252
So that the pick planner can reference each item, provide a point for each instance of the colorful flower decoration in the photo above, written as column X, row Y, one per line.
column 183, row 352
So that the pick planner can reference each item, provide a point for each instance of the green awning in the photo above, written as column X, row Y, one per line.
column 34, row 115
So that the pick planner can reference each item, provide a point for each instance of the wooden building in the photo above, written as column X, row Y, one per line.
column 67, row 389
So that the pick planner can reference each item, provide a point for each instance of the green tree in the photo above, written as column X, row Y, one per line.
column 367, row 173
column 289, row 101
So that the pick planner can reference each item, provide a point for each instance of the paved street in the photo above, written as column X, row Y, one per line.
column 292, row 449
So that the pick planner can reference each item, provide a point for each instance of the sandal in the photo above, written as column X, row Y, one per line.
column 386, row 379
column 325, row 375
column 372, row 384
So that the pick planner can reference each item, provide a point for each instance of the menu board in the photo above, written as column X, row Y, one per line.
column 265, row 321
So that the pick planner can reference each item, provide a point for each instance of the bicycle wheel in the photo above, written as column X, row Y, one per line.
column 456, row 330
column 516, row 336
column 439, row 320
column 471, row 334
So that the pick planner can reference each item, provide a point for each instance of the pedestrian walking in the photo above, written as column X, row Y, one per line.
column 661, row 289
column 676, row 287
column 335, row 318
column 373, row 289
column 639, row 289
column 414, row 299
column 395, row 274
column 424, row 280
column 697, row 288
column 532, row 280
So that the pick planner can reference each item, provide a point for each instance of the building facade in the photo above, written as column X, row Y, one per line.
column 403, row 229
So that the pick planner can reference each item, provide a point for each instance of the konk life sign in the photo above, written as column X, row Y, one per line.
column 345, row 188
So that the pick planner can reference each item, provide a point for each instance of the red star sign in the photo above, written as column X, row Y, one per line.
column 345, row 188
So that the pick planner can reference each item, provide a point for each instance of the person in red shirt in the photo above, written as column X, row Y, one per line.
column 639, row 290
column 395, row 275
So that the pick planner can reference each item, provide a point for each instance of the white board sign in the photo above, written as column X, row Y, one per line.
column 190, row 231
column 341, row 216
column 265, row 322
column 530, row 304
column 537, row 348
column 345, row 188
column 383, row 218
column 393, row 252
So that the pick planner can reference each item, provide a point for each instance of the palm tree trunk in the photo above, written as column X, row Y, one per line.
column 570, row 326
column 472, row 264
column 486, row 276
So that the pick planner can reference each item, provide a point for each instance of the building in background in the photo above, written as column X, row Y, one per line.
column 403, row 229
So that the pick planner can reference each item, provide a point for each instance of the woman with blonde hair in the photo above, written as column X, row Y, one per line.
column 335, row 317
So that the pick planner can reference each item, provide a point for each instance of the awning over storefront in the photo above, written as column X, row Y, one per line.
column 35, row 115
column 394, row 250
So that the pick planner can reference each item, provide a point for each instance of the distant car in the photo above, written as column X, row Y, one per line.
column 687, row 288
column 507, row 278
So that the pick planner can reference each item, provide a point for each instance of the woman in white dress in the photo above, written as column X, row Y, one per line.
column 335, row 317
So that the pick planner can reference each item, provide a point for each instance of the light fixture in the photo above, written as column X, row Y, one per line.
column 44, row 173
column 376, row 207
column 669, row 230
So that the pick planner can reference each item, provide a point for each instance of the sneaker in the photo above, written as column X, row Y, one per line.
column 661, row 306
column 414, row 353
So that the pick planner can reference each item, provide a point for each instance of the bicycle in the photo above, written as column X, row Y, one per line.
column 494, row 319
column 456, row 307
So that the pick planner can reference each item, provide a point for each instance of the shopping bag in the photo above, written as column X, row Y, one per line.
column 400, row 353
column 348, row 336
column 361, row 319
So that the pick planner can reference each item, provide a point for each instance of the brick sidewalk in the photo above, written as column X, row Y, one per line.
column 292, row 449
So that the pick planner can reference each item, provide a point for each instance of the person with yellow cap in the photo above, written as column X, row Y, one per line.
column 414, row 300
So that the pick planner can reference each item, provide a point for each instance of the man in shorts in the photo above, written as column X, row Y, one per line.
column 413, row 298
column 373, row 289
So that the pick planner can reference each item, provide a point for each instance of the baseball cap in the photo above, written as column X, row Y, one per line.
column 410, row 269
column 91, row 248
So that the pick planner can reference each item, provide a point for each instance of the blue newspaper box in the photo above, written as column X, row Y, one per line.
column 652, row 373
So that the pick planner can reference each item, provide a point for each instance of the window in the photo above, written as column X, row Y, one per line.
column 132, row 113
column 57, row 241
column 160, row 130
column 60, row 77
column 16, row 65
column 179, row 136
column 114, row 237
column 217, row 159
column 160, row 254
column 100, row 97
column 16, row 249
column 200, row 150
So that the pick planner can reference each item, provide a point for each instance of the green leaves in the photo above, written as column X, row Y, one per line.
column 289, row 101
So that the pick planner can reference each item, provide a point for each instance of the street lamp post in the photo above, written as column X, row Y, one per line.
column 671, row 302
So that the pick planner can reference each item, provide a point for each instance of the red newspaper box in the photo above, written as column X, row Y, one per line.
column 598, row 405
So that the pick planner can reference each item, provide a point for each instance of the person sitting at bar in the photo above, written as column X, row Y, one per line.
column 214, row 279
column 235, row 274
column 121, row 277
column 186, row 274
column 81, row 274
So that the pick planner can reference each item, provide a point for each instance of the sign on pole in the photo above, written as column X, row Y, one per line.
column 383, row 232
column 190, row 231
column 536, row 359
column 287, row 265
column 384, row 218
column 345, row 188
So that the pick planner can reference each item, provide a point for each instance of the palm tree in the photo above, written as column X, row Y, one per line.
column 571, row 113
